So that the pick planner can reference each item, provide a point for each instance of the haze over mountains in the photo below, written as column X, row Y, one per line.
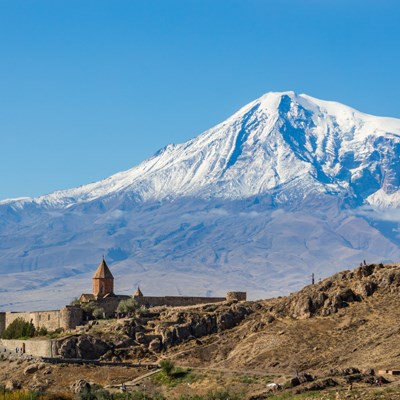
column 287, row 186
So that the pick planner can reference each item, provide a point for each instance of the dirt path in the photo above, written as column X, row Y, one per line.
column 135, row 381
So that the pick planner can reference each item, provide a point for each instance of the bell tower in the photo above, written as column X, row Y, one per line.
column 103, row 281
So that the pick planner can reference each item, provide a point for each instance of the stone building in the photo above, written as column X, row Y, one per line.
column 103, row 296
column 104, row 299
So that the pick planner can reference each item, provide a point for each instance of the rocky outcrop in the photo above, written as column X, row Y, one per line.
column 339, row 291
column 80, row 386
column 195, row 324
column 85, row 347
column 31, row 369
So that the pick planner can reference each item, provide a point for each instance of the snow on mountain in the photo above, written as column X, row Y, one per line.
column 287, row 185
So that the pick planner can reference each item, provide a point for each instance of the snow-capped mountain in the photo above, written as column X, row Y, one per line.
column 287, row 185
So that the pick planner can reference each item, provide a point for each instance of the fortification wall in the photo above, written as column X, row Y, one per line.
column 176, row 301
column 51, row 320
column 110, row 304
column 33, row 347
column 71, row 317
column 239, row 296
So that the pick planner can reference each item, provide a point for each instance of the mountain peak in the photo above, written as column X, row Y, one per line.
column 280, row 142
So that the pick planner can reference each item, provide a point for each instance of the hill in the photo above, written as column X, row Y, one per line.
column 329, row 334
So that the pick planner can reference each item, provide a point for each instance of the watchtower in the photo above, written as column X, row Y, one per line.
column 103, row 281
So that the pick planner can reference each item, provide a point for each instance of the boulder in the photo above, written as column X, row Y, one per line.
column 349, row 371
column 295, row 381
column 168, row 337
column 366, row 289
column 68, row 348
column 322, row 384
column 31, row 369
column 13, row 384
column 89, row 348
column 84, row 346
column 347, row 295
column 303, row 378
column 225, row 321
column 368, row 371
column 199, row 329
column 182, row 332
column 365, row 270
column 80, row 386
column 141, row 338
column 155, row 345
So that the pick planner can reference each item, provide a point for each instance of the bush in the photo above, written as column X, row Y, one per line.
column 95, row 392
column 167, row 366
column 42, row 331
column 18, row 395
column 98, row 313
column 19, row 329
column 128, row 306
column 88, row 308
column 75, row 302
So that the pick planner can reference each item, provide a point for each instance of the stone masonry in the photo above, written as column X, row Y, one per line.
column 103, row 297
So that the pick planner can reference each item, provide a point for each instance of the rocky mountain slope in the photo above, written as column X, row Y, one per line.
column 349, row 319
column 287, row 186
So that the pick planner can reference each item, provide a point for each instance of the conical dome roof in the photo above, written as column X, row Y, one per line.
column 103, row 271
column 138, row 293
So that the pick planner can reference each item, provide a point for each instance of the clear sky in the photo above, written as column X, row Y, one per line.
column 89, row 88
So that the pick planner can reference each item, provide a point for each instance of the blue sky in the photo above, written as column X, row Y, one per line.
column 92, row 87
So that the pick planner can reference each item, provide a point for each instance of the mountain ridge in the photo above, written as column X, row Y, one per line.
column 286, row 186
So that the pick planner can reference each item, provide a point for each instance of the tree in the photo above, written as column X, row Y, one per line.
column 89, row 307
column 19, row 329
column 128, row 306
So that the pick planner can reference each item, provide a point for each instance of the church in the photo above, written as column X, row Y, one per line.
column 104, row 298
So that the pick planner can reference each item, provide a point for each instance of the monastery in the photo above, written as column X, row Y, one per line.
column 103, row 297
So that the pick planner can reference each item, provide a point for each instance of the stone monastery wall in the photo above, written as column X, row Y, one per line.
column 67, row 318
column 48, row 319
column 34, row 347
column 179, row 301
column 176, row 301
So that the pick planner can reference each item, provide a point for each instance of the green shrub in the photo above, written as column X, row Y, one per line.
column 19, row 329
column 42, row 331
column 98, row 313
column 95, row 392
column 88, row 308
column 18, row 395
column 128, row 306
column 75, row 302
column 167, row 366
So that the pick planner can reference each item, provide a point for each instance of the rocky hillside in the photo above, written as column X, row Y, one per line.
column 349, row 319
column 325, row 338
